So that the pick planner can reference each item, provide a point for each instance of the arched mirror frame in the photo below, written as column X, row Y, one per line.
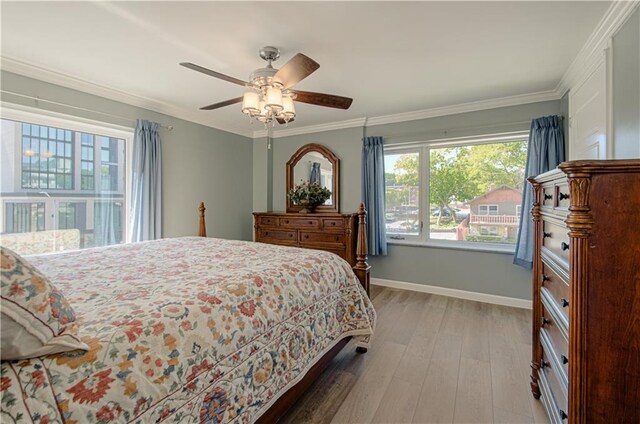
column 335, row 189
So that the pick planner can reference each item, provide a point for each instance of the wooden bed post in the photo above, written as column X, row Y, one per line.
column 202, row 231
column 361, row 267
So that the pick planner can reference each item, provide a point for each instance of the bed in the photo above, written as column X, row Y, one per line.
column 188, row 330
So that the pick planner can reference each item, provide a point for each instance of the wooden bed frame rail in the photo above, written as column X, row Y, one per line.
column 361, row 269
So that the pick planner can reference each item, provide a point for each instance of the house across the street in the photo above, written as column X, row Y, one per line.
column 496, row 213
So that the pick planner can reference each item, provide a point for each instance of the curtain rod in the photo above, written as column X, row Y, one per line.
column 40, row 99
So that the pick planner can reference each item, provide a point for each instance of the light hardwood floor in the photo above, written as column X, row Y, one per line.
column 434, row 359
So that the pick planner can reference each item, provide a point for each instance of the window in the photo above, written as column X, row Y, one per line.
column 402, row 194
column 456, row 192
column 46, row 157
column 64, row 179
column 488, row 209
column 111, row 150
column 87, row 175
column 24, row 217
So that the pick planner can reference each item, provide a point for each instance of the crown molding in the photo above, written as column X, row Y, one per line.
column 520, row 99
column 58, row 78
column 351, row 123
column 592, row 52
column 419, row 114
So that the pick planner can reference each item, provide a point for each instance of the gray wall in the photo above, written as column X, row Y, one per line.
column 626, row 89
column 483, row 272
column 199, row 163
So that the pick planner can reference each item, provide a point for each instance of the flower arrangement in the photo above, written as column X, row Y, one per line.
column 309, row 195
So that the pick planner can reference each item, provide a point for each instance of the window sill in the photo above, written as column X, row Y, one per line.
column 505, row 250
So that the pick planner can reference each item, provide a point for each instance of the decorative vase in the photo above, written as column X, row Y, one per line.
column 306, row 206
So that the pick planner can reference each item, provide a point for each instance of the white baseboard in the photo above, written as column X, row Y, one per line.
column 461, row 294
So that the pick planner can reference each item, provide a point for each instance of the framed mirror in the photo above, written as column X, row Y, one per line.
column 315, row 162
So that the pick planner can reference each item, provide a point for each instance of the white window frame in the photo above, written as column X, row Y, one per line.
column 421, row 205
column 15, row 112
column 518, row 209
column 423, row 147
column 488, row 207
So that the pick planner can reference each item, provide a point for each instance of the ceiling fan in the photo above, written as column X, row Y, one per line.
column 270, row 97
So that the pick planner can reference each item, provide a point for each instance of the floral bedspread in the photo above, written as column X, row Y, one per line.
column 186, row 330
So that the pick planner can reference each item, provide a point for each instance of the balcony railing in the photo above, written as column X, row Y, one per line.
column 495, row 219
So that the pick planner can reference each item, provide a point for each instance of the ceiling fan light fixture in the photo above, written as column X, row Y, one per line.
column 264, row 115
column 269, row 97
column 288, row 109
column 273, row 99
column 250, row 103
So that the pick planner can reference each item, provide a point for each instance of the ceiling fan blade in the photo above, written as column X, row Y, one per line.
column 321, row 99
column 215, row 74
column 281, row 121
column 295, row 70
column 222, row 104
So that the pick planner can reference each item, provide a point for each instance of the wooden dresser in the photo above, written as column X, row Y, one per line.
column 586, row 292
column 334, row 232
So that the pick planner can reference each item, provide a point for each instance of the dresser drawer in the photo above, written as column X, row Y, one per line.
column 554, row 394
column 555, row 197
column 555, row 238
column 556, row 286
column 555, row 338
column 313, row 237
column 301, row 222
column 278, row 236
column 268, row 221
column 332, row 223
column 548, row 196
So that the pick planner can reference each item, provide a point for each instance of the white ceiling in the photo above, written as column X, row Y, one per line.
column 390, row 57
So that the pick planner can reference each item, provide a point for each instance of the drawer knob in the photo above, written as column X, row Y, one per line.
column 266, row 233
column 548, row 197
column 564, row 302
column 545, row 235
column 306, row 236
column 333, row 223
column 545, row 321
column 564, row 359
column 563, row 415
column 545, row 277
column 290, row 235
column 562, row 196
column 564, row 246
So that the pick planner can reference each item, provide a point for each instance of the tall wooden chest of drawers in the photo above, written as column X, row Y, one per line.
column 586, row 292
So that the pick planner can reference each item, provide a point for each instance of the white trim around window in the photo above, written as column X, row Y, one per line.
column 20, row 113
column 423, row 237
